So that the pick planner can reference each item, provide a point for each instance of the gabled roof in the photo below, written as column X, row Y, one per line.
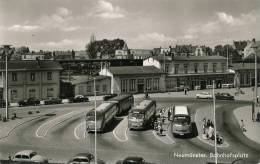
column 31, row 65
column 134, row 70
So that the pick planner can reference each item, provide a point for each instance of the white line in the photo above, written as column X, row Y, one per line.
column 119, row 139
column 76, row 129
column 46, row 123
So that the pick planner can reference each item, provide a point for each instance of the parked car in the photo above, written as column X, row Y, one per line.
column 84, row 158
column 107, row 97
column 224, row 96
column 29, row 156
column 79, row 98
column 29, row 101
column 204, row 95
column 132, row 160
column 52, row 100
column 2, row 103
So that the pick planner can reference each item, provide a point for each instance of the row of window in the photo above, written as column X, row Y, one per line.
column 196, row 67
column 133, row 85
column 32, row 93
column 32, row 76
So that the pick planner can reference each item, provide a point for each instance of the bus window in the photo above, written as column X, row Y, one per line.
column 137, row 116
column 181, row 120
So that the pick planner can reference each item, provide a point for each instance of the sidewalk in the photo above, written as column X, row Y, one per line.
column 252, row 128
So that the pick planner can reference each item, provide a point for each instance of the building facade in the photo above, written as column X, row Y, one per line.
column 194, row 72
column 31, row 79
column 135, row 79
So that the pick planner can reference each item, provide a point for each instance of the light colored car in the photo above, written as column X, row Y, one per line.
column 84, row 158
column 204, row 95
column 29, row 156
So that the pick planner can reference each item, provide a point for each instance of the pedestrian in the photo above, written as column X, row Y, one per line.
column 208, row 123
column 161, row 130
column 211, row 133
column 211, row 124
column 258, row 116
column 169, row 114
column 243, row 126
column 204, row 125
column 185, row 91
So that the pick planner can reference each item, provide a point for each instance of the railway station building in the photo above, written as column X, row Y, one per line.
column 135, row 79
column 193, row 72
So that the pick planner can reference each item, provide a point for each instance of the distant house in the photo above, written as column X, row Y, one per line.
column 31, row 56
column 135, row 79
column 141, row 53
column 122, row 53
column 249, row 51
column 63, row 55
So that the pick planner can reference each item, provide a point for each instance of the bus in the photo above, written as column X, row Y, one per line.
column 105, row 114
column 181, row 120
column 124, row 103
column 143, row 115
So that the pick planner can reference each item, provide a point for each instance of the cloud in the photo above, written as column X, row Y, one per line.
column 151, row 40
column 243, row 19
column 104, row 9
column 22, row 28
column 64, row 44
column 62, row 11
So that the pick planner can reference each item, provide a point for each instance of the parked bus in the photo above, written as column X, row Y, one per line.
column 124, row 103
column 181, row 120
column 142, row 115
column 105, row 114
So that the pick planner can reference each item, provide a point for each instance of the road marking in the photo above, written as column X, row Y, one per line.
column 119, row 139
column 170, row 140
column 46, row 123
column 77, row 128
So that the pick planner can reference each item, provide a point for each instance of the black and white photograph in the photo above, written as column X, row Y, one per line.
column 129, row 82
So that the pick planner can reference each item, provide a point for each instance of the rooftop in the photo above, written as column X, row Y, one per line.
column 31, row 65
column 134, row 70
column 189, row 58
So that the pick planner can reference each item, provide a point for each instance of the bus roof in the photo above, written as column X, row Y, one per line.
column 120, row 97
column 142, row 106
column 104, row 106
column 181, row 110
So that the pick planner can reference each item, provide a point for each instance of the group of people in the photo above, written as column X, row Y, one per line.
column 209, row 131
column 158, row 123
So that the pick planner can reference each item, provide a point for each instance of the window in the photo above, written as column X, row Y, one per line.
column 49, row 75
column 32, row 93
column 104, row 88
column 167, row 68
column 97, row 88
column 14, row 76
column 156, row 84
column 89, row 88
column 124, row 85
column 32, row 76
column 81, row 90
column 49, row 92
column 223, row 65
column 205, row 67
column 196, row 67
column 214, row 67
column 132, row 85
column 13, row 94
column 149, row 84
column 176, row 68
column 185, row 68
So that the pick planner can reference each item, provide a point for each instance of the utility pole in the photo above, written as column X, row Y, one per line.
column 215, row 124
column 95, row 120
column 254, row 46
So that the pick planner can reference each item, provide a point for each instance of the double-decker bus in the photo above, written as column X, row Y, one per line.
column 124, row 103
column 181, row 120
column 105, row 114
column 142, row 116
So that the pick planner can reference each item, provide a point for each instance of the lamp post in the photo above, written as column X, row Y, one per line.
column 254, row 46
column 95, row 120
column 7, row 51
column 215, row 125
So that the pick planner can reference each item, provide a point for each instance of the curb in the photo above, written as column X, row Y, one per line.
column 12, row 129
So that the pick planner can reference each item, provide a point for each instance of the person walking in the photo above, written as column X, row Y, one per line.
column 243, row 126
column 169, row 114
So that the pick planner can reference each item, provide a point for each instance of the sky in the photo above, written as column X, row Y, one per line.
column 68, row 24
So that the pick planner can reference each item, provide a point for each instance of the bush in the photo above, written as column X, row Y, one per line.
column 29, row 112
column 37, row 111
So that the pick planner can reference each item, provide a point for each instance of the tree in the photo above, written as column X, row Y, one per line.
column 218, row 50
column 19, row 52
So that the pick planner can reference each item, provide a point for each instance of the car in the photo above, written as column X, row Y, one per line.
column 224, row 96
column 29, row 101
column 79, row 98
column 2, row 103
column 107, row 97
column 84, row 158
column 29, row 156
column 132, row 160
column 52, row 100
column 204, row 95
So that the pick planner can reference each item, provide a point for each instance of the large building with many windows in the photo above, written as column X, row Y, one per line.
column 194, row 72
column 39, row 79
column 135, row 79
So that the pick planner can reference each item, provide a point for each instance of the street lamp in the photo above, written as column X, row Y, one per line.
column 95, row 120
column 254, row 46
column 7, row 51
column 214, row 118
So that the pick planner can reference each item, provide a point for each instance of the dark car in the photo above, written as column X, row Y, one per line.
column 29, row 101
column 224, row 96
column 84, row 158
column 132, row 160
column 79, row 98
column 2, row 103
column 52, row 101
column 107, row 97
